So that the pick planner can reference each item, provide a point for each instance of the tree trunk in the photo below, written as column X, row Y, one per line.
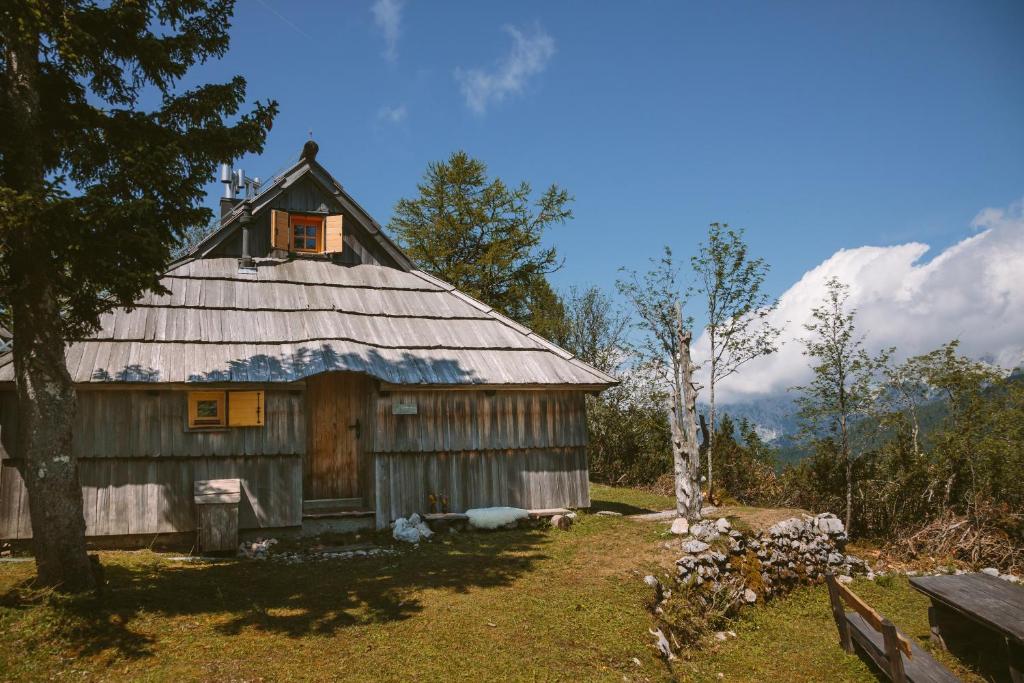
column 46, row 396
column 848, row 461
column 711, row 435
column 46, row 411
column 682, row 419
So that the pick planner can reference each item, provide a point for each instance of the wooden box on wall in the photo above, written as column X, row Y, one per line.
column 217, row 514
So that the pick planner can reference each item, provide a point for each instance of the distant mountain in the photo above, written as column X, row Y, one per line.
column 774, row 417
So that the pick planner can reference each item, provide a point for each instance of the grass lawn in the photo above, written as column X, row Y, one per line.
column 531, row 605
column 795, row 639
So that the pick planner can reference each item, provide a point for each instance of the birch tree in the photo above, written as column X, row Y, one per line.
column 657, row 298
column 841, row 389
column 730, row 283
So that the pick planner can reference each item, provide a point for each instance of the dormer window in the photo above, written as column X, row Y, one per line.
column 307, row 233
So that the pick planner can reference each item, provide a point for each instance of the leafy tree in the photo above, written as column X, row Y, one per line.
column 841, row 390
column 594, row 328
column 545, row 310
column 629, row 441
column 978, row 423
column 481, row 235
column 95, row 191
column 730, row 282
column 657, row 299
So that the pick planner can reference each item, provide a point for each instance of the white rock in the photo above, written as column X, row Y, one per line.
column 991, row 571
column 720, row 635
column 662, row 643
column 845, row 580
column 722, row 525
column 405, row 532
column 562, row 522
column 680, row 527
column 608, row 513
column 694, row 546
column 493, row 518
column 1009, row 577
column 749, row 596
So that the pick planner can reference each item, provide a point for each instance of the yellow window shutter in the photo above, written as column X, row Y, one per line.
column 279, row 232
column 333, row 234
column 245, row 409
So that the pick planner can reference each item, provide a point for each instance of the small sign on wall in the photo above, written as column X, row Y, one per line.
column 403, row 407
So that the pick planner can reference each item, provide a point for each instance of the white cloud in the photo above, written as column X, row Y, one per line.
column 529, row 56
column 972, row 291
column 392, row 114
column 387, row 14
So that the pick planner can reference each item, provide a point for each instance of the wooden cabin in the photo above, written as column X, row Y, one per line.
column 300, row 352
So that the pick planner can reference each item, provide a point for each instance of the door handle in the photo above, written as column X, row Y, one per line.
column 356, row 427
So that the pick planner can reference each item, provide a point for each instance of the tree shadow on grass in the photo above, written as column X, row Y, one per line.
column 296, row 600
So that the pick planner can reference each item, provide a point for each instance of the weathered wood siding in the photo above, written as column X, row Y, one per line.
column 149, row 423
column 124, row 496
column 137, row 462
column 480, row 449
column 307, row 196
column 448, row 421
column 531, row 479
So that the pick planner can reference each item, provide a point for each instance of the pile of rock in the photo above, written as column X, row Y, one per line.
column 411, row 530
column 797, row 550
column 723, row 569
column 258, row 549
column 343, row 553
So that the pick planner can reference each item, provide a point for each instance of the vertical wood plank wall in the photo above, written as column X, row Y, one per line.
column 480, row 449
column 137, row 463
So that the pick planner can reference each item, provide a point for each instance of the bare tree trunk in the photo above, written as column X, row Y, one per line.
column 46, row 396
column 685, row 450
column 711, row 437
column 848, row 462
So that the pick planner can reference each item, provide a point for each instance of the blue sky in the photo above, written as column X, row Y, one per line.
column 815, row 126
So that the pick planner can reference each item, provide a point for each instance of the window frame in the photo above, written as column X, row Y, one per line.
column 194, row 397
column 306, row 220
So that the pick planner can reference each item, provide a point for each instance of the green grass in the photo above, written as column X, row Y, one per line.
column 527, row 605
column 510, row 605
column 795, row 639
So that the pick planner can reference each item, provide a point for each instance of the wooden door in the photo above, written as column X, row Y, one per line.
column 336, row 427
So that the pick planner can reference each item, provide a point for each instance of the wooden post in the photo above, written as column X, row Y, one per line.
column 892, row 652
column 1015, row 659
column 839, row 614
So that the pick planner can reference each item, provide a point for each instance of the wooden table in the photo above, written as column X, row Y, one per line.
column 977, row 610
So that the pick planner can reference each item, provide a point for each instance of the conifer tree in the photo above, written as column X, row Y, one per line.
column 96, row 189
column 483, row 236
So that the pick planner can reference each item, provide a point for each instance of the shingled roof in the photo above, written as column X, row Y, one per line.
column 288, row 319
column 295, row 318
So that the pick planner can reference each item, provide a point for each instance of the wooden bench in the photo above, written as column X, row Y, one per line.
column 897, row 657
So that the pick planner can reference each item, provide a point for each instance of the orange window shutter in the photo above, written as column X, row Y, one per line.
column 280, row 235
column 245, row 409
column 333, row 234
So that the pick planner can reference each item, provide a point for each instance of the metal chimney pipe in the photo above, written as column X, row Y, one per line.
column 226, row 178
column 247, row 261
